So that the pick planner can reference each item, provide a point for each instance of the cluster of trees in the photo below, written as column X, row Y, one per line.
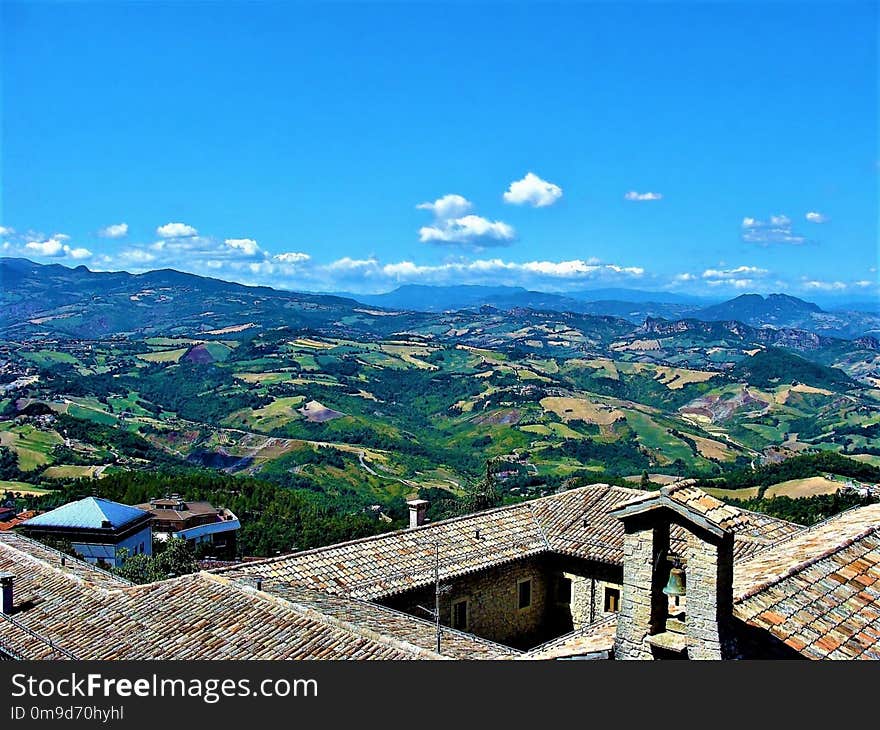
column 773, row 366
column 797, row 467
column 274, row 518
column 804, row 510
column 110, row 437
column 170, row 559
column 9, row 470
column 619, row 457
column 180, row 389
column 639, row 388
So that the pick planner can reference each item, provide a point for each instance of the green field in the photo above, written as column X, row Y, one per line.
column 33, row 446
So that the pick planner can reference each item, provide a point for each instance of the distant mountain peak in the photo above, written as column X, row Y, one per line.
column 755, row 309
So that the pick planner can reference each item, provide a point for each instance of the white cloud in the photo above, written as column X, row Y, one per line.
column 817, row 285
column 50, row 247
column 480, row 270
column 453, row 224
column 738, row 277
column 55, row 247
column 116, row 230
column 735, row 283
column 247, row 246
column 532, row 190
column 291, row 257
column 734, row 272
column 633, row 195
column 468, row 230
column 5, row 231
column 777, row 229
column 448, row 207
column 346, row 263
column 137, row 256
column 816, row 217
column 685, row 277
column 176, row 230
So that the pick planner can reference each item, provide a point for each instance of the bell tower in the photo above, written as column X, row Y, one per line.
column 677, row 599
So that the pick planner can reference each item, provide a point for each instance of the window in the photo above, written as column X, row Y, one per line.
column 524, row 593
column 460, row 614
column 563, row 589
column 612, row 599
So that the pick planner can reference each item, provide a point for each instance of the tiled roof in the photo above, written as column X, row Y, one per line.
column 315, row 604
column 395, row 562
column 389, row 622
column 75, row 611
column 78, row 611
column 818, row 592
column 34, row 555
column 595, row 639
column 695, row 503
column 17, row 520
column 90, row 513
column 578, row 522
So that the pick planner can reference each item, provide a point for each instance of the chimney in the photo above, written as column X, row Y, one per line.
column 418, row 508
column 6, row 589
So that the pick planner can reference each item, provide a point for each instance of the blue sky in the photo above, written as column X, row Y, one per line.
column 706, row 147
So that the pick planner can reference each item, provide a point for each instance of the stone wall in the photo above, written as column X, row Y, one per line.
column 492, row 597
column 640, row 608
column 589, row 581
column 707, row 631
column 709, row 598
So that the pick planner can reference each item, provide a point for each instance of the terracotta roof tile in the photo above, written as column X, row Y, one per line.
column 820, row 583
column 578, row 522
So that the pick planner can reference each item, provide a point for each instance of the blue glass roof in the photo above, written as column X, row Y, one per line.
column 89, row 513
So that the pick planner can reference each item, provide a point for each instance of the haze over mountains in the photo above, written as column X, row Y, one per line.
column 55, row 297
column 777, row 310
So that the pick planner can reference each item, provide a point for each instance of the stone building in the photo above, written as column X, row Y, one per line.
column 598, row 572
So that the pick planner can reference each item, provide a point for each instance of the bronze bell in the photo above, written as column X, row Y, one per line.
column 676, row 584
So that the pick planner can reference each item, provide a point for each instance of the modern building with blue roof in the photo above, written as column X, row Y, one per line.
column 100, row 530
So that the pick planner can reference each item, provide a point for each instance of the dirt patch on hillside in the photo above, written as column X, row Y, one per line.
column 318, row 413
column 200, row 355
column 504, row 417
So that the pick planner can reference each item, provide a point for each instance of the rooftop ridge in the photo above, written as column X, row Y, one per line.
column 583, row 630
column 89, row 513
column 517, row 507
column 804, row 564
column 5, row 539
column 365, row 633
column 539, row 527
column 795, row 535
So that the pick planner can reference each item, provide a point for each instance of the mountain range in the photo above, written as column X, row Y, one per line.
column 80, row 302
column 774, row 310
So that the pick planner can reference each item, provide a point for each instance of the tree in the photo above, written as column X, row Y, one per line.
column 646, row 480
column 483, row 495
column 178, row 558
column 139, row 568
